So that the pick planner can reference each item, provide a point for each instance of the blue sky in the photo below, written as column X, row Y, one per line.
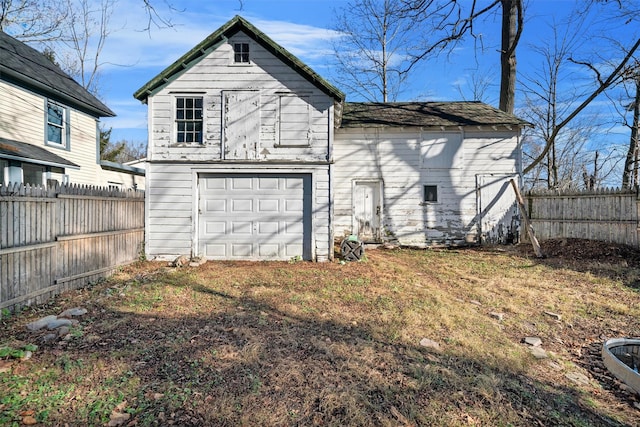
column 132, row 56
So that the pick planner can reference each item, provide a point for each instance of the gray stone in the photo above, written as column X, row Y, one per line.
column 426, row 342
column 41, row 323
column 63, row 330
column 73, row 312
column 49, row 337
column 533, row 341
column 499, row 316
column 577, row 377
column 538, row 352
column 55, row 324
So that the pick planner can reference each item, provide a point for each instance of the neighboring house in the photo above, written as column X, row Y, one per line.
column 49, row 125
column 251, row 156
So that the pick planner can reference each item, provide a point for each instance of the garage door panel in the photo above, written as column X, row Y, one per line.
column 218, row 250
column 269, row 205
column 216, row 227
column 216, row 205
column 242, row 183
column 269, row 183
column 240, row 250
column 241, row 227
column 268, row 250
column 242, row 205
column 254, row 216
column 268, row 228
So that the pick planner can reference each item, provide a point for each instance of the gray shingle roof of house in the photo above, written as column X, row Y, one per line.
column 31, row 153
column 235, row 25
column 32, row 68
column 425, row 114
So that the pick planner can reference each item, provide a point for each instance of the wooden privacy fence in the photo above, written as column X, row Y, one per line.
column 63, row 238
column 609, row 215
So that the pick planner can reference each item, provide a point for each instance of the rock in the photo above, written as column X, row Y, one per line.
column 57, row 323
column 426, row 342
column 577, row 377
column 49, row 337
column 117, row 419
column 499, row 316
column 63, row 330
column 538, row 352
column 41, row 323
column 29, row 420
column 474, row 302
column 636, row 405
column 554, row 315
column 533, row 341
column 181, row 261
column 27, row 355
column 73, row 312
column 197, row 262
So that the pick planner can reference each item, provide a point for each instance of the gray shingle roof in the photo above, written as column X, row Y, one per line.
column 30, row 153
column 32, row 68
column 425, row 114
column 232, row 27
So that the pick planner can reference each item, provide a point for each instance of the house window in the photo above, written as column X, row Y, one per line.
column 431, row 193
column 189, row 119
column 56, row 124
column 33, row 174
column 241, row 53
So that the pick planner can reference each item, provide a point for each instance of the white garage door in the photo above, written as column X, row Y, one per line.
column 255, row 216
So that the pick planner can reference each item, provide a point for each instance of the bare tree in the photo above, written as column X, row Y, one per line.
column 630, row 171
column 370, row 54
column 449, row 21
column 33, row 20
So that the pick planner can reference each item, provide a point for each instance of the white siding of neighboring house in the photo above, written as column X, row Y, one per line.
column 22, row 115
column 121, row 180
column 23, row 120
column 406, row 159
column 173, row 169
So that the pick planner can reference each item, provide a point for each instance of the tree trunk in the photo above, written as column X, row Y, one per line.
column 511, row 28
column 630, row 163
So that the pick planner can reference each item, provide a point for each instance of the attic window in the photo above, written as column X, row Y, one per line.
column 241, row 53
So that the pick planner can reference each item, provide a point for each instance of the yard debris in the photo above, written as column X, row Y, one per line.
column 73, row 312
column 554, row 315
column 533, row 341
column 181, row 261
column 498, row 316
column 538, row 352
column 426, row 342
column 577, row 377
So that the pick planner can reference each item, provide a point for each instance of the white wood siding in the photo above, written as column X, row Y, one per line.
column 397, row 158
column 216, row 74
column 22, row 118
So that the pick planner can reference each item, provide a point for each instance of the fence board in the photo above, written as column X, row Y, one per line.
column 606, row 215
column 63, row 238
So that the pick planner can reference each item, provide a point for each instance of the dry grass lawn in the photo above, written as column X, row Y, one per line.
column 335, row 344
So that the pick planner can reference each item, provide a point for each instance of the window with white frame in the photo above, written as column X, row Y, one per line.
column 241, row 53
column 189, row 119
column 56, row 124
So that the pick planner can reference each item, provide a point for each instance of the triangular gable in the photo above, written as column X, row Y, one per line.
column 220, row 37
